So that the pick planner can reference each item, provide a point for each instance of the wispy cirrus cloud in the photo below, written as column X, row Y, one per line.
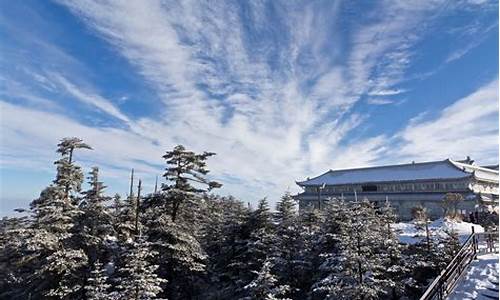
column 470, row 125
column 272, row 87
column 91, row 99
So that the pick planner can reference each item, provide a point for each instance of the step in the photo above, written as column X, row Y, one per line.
column 484, row 296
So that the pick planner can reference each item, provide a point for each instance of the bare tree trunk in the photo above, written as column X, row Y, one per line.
column 137, row 207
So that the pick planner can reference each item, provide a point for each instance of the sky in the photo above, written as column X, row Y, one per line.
column 280, row 90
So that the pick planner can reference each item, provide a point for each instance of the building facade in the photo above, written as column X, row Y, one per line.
column 407, row 186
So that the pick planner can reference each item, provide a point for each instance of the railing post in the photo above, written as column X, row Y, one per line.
column 474, row 242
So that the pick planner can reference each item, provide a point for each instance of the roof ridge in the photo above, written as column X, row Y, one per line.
column 454, row 162
column 389, row 166
column 375, row 167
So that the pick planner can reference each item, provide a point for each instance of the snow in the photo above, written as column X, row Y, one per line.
column 415, row 171
column 480, row 281
column 409, row 234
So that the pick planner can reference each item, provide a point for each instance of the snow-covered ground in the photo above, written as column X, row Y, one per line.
column 408, row 233
column 480, row 281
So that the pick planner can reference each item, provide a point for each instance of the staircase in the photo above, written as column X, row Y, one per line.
column 476, row 244
column 491, row 292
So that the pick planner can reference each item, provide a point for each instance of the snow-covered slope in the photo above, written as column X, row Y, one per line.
column 408, row 233
column 480, row 281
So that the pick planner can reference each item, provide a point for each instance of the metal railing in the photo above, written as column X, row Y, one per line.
column 445, row 282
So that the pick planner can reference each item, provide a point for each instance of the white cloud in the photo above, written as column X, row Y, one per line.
column 221, row 94
column 90, row 98
column 467, row 127
column 379, row 101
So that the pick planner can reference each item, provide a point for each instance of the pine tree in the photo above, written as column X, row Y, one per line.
column 427, row 259
column 289, row 257
column 96, row 222
column 357, row 264
column 127, row 209
column 395, row 269
column 334, row 215
column 266, row 286
column 13, row 278
column 227, row 264
column 183, row 169
column 180, row 256
column 97, row 287
column 262, row 234
column 139, row 280
column 68, row 174
column 52, row 243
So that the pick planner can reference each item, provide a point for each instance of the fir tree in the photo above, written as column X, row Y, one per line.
column 228, row 264
column 185, row 168
column 266, row 286
column 128, row 213
column 356, row 266
column 52, row 244
column 14, row 232
column 262, row 234
column 97, row 287
column 180, row 257
column 335, row 214
column 289, row 257
column 395, row 267
column 96, row 222
column 139, row 280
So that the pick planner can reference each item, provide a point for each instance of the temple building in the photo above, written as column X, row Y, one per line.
column 406, row 186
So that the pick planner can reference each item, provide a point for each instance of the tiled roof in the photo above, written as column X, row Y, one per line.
column 445, row 169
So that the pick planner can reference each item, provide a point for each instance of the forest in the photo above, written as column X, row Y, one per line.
column 183, row 241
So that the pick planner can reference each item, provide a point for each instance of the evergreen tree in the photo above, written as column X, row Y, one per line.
column 266, row 286
column 96, row 222
column 262, row 234
column 14, row 276
column 357, row 265
column 125, row 224
column 97, row 287
column 138, row 279
column 335, row 215
column 52, row 244
column 289, row 258
column 395, row 269
column 180, row 257
column 185, row 168
column 227, row 264
column 68, row 174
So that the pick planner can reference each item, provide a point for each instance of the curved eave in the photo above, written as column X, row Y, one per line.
column 479, row 178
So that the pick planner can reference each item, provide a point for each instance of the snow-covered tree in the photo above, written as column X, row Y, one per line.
column 427, row 258
column 356, row 266
column 186, row 173
column 262, row 236
column 180, row 257
column 266, row 286
column 327, row 244
column 52, row 244
column 96, row 223
column 69, row 175
column 128, row 224
column 290, row 254
column 395, row 264
column 138, row 278
column 97, row 287
column 13, row 278
column 227, row 257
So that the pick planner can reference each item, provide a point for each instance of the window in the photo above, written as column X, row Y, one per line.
column 369, row 188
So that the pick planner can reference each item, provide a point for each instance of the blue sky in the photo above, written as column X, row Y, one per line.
column 280, row 90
